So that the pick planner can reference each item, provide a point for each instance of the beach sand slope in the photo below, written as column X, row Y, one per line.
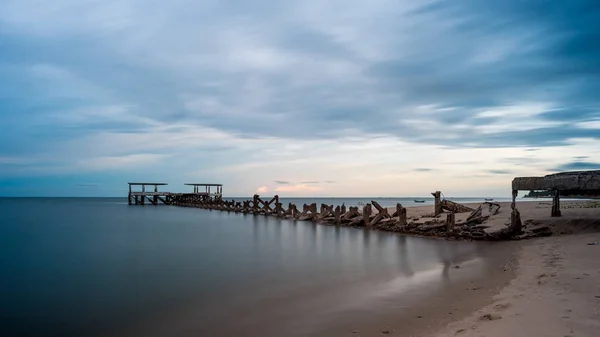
column 556, row 292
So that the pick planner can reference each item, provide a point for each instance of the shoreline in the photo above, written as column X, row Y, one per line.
column 556, row 292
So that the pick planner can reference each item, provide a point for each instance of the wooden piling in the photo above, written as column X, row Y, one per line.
column 556, row 204
column 367, row 214
column 450, row 222
column 337, row 215
column 402, row 221
column 438, row 203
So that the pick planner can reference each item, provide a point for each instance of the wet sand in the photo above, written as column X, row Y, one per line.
column 556, row 289
column 556, row 293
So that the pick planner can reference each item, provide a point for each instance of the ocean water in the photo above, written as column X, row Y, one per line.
column 98, row 267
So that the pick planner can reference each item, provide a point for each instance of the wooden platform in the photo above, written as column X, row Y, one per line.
column 150, row 195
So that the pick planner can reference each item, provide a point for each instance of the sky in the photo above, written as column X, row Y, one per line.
column 298, row 98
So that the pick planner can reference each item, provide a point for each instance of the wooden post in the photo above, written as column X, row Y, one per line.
column 513, row 204
column 313, row 210
column 438, row 203
column 337, row 214
column 367, row 214
column 450, row 222
column 556, row 204
column 343, row 208
column 129, row 195
column 401, row 215
column 515, row 222
column 255, row 204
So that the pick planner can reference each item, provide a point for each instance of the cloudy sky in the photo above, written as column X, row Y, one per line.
column 327, row 98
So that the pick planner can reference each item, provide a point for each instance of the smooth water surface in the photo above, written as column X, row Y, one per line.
column 98, row 267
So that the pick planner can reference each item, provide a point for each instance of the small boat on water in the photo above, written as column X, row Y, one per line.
column 420, row 201
column 489, row 199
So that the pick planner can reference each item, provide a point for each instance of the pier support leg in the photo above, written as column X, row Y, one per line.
column 513, row 205
column 556, row 204
column 450, row 222
column 516, row 227
column 367, row 214
column 438, row 203
column 401, row 215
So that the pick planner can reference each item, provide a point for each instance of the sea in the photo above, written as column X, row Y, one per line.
column 100, row 267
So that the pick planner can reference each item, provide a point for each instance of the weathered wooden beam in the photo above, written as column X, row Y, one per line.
column 381, row 210
column 402, row 221
column 477, row 213
column 556, row 204
column 367, row 214
column 337, row 214
column 450, row 222
column 454, row 207
column 437, row 210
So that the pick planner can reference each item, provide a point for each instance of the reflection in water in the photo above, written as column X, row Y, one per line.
column 162, row 271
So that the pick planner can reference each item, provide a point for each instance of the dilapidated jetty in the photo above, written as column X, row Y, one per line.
column 447, row 219
column 201, row 193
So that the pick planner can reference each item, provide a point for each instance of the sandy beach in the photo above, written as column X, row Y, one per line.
column 556, row 292
column 556, row 286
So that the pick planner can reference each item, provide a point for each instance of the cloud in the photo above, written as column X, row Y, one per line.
column 313, row 86
column 423, row 169
column 262, row 189
column 299, row 188
column 87, row 185
column 578, row 165
column 122, row 162
column 311, row 182
column 282, row 182
column 500, row 171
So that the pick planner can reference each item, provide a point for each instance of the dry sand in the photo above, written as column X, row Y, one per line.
column 556, row 291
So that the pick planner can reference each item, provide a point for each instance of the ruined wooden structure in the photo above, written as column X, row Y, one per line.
column 371, row 215
column 151, row 195
column 579, row 184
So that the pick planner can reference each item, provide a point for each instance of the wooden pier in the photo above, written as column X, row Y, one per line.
column 371, row 216
column 152, row 196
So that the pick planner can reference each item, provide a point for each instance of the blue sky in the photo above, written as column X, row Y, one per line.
column 335, row 98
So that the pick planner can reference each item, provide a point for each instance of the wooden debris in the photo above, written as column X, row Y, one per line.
column 437, row 203
column 454, row 207
column 472, row 229
column 450, row 222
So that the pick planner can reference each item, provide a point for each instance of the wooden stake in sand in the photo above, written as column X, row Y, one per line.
column 556, row 204
column 438, row 203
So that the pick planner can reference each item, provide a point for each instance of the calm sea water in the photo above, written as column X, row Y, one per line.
column 98, row 267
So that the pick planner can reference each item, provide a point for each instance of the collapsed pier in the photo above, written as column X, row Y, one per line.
column 447, row 219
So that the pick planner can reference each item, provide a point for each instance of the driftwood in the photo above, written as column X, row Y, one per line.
column 450, row 222
column 382, row 213
column 454, row 207
column 477, row 213
column 493, row 208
